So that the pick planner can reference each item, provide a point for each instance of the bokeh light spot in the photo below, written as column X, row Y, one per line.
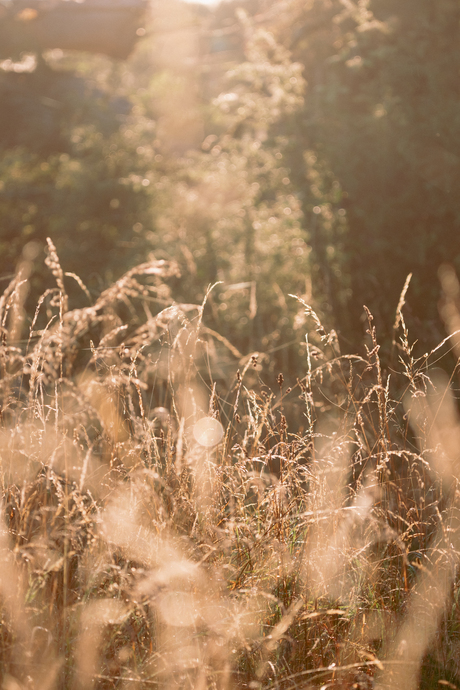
column 208, row 432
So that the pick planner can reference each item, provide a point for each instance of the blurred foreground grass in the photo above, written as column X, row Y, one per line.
column 160, row 532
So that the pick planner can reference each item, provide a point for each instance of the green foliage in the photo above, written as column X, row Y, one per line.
column 88, row 200
column 329, row 173
column 382, row 115
column 123, row 184
column 91, row 188
column 235, row 217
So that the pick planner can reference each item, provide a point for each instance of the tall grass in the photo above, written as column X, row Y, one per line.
column 160, row 532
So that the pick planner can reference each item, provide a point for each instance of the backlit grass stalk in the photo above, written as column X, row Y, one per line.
column 162, row 532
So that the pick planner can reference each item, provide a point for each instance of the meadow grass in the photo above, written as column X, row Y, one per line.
column 159, row 532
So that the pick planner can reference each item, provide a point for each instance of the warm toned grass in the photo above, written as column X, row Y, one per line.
column 159, row 532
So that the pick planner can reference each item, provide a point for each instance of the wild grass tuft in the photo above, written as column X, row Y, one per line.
column 159, row 532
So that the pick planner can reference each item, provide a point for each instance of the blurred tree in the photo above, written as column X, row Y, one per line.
column 84, row 177
column 78, row 164
column 381, row 114
column 90, row 201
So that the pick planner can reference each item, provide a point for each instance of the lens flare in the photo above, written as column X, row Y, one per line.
column 208, row 432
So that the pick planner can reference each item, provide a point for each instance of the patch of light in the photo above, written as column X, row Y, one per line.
column 27, row 64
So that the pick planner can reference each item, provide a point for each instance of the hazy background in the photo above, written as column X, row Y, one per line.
column 275, row 147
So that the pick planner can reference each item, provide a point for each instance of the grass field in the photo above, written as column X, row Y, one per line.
column 160, row 530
